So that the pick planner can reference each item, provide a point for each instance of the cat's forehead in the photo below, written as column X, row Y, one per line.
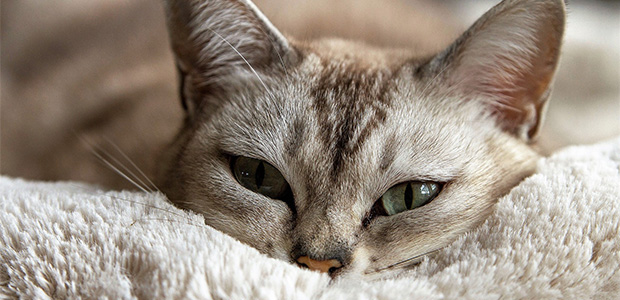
column 336, row 113
column 362, row 56
column 348, row 102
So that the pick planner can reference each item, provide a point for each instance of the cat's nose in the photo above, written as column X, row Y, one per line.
column 325, row 266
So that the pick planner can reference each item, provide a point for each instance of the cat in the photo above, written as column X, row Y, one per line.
column 346, row 158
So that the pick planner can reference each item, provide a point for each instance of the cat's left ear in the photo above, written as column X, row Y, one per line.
column 218, row 44
column 507, row 60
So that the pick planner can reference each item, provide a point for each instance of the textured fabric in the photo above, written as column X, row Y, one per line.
column 555, row 235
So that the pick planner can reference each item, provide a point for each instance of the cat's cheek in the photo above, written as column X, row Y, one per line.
column 360, row 261
column 254, row 220
column 268, row 229
column 363, row 264
column 278, row 249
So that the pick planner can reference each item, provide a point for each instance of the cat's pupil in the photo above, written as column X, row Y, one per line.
column 408, row 196
column 260, row 174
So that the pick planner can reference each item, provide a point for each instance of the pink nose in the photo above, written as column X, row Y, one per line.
column 324, row 266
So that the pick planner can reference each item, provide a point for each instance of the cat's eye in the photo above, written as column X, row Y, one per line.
column 260, row 177
column 408, row 195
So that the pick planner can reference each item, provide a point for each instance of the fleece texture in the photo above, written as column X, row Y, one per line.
column 554, row 236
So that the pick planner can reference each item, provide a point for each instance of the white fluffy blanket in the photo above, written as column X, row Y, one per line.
column 556, row 235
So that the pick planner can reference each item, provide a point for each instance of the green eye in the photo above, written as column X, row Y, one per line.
column 408, row 195
column 260, row 177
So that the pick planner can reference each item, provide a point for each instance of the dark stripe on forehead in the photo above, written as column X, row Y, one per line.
column 343, row 96
column 388, row 154
column 297, row 133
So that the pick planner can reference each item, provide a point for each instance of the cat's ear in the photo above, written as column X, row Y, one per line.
column 215, row 39
column 507, row 59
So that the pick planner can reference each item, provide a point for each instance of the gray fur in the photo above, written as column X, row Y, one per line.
column 344, row 122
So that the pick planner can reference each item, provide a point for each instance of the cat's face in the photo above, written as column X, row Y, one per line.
column 346, row 158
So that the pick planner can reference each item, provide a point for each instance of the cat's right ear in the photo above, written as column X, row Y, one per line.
column 506, row 61
column 218, row 42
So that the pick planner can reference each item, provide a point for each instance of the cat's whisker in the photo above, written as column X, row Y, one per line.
column 273, row 44
column 125, row 170
column 246, row 62
column 95, row 150
column 188, row 220
column 118, row 149
column 167, row 220
column 146, row 205
column 267, row 89
column 152, row 206
column 119, row 172
column 405, row 261
column 282, row 63
column 430, row 83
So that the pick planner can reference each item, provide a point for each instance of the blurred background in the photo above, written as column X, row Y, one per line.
column 102, row 71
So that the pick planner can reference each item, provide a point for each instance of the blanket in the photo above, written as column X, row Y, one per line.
column 554, row 236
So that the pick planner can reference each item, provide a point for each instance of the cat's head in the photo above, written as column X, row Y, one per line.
column 347, row 158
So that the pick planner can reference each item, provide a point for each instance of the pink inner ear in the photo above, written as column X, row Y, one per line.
column 517, row 100
column 507, row 60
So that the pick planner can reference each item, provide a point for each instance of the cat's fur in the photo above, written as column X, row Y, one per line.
column 343, row 122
